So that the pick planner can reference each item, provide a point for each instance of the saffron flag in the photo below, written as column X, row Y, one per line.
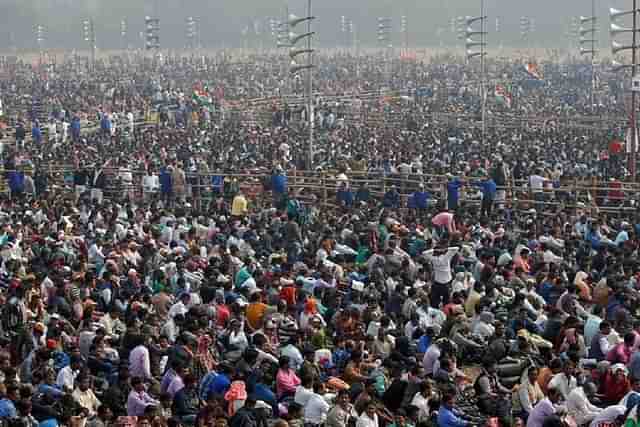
column 532, row 69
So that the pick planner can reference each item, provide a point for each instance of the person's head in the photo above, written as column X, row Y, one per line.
column 449, row 399
column 500, row 329
column 104, row 412
column 283, row 363
column 553, row 395
column 371, row 410
column 532, row 374
column 556, row 366
column 605, row 328
column 137, row 384
column 426, row 388
column 629, row 339
column 84, row 383
column 589, row 389
column 619, row 372
column 489, row 365
column 343, row 398
column 76, row 363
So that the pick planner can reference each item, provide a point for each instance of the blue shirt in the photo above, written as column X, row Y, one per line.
column 423, row 343
column 217, row 182
column 488, row 188
column 345, row 197
column 7, row 409
column 447, row 418
column 418, row 200
column 220, row 384
column 279, row 183
column 453, row 190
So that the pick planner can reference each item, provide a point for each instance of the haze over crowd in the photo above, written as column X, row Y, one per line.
column 224, row 20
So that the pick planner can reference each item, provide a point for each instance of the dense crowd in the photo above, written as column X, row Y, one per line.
column 142, row 285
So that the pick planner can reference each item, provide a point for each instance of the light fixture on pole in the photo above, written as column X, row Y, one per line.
column 384, row 39
column 617, row 30
column 292, row 22
column 40, row 36
column 471, row 44
column 152, row 34
column 191, row 32
column 123, row 33
column 89, row 34
column 587, row 45
column 404, row 30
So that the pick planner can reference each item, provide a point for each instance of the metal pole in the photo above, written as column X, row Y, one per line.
column 483, row 71
column 310, row 85
column 593, row 52
column 92, row 39
column 632, row 166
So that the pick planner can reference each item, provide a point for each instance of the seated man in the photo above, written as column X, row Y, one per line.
column 494, row 399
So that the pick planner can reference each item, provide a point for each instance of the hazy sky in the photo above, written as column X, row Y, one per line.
column 223, row 20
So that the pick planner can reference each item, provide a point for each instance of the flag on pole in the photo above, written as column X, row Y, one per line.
column 532, row 69
column 503, row 96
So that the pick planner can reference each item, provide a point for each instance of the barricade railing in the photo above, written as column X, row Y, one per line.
column 321, row 187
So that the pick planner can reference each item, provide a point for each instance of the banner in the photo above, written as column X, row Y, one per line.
column 502, row 95
column 532, row 69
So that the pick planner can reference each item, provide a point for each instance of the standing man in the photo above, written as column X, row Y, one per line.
column 489, row 189
column 440, row 259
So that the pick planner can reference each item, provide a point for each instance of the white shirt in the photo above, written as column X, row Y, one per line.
column 580, row 408
column 422, row 403
column 302, row 395
column 294, row 355
column 365, row 421
column 430, row 358
column 441, row 264
column 562, row 384
column 150, row 182
column 316, row 409
column 66, row 377
column 608, row 415
column 536, row 182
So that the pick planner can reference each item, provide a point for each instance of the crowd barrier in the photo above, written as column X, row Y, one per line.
column 321, row 187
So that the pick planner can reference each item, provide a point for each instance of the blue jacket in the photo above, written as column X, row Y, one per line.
column 453, row 190
column 105, row 124
column 391, row 199
column 165, row 181
column 488, row 188
column 447, row 418
column 345, row 197
column 36, row 133
column 279, row 183
column 16, row 181
column 217, row 182
column 418, row 200
column 363, row 195
column 75, row 126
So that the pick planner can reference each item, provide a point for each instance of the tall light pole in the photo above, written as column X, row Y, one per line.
column 191, row 33
column 123, row 33
column 90, row 38
column 525, row 30
column 152, row 35
column 481, row 43
column 384, row 38
column 404, row 29
column 295, row 68
column 588, row 38
column 40, row 36
column 616, row 47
